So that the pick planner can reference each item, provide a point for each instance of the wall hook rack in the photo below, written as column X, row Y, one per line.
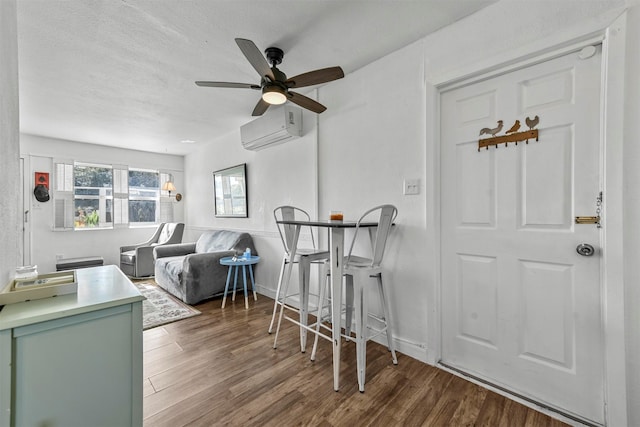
column 511, row 135
column 506, row 139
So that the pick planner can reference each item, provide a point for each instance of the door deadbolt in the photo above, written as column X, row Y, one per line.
column 588, row 220
column 585, row 249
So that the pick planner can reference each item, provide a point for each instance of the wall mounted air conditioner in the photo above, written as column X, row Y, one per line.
column 274, row 127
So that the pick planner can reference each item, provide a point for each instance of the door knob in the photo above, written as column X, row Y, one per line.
column 585, row 249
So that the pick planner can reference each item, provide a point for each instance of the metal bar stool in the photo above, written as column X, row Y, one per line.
column 358, row 272
column 304, row 257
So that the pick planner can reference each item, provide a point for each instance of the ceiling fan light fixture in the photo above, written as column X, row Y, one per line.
column 273, row 95
column 276, row 88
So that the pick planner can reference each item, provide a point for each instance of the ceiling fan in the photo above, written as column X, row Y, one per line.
column 274, row 83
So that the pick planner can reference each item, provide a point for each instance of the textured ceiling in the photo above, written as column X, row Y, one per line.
column 122, row 72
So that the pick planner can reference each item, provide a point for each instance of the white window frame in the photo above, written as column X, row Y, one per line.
column 120, row 196
column 64, row 196
column 156, row 199
column 102, row 198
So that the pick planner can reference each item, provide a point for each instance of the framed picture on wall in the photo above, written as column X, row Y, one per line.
column 230, row 192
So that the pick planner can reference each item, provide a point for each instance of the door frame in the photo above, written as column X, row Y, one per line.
column 24, row 211
column 613, row 42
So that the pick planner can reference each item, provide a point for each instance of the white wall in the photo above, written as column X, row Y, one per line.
column 381, row 127
column 366, row 148
column 9, row 141
column 39, row 153
column 281, row 175
column 372, row 138
column 452, row 53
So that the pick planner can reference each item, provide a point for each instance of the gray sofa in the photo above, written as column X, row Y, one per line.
column 192, row 271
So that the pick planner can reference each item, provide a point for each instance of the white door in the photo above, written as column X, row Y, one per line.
column 520, row 306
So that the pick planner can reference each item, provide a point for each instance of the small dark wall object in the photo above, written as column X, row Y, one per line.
column 42, row 178
column 41, row 192
column 42, row 186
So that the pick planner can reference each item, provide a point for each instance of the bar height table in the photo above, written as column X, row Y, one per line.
column 336, row 258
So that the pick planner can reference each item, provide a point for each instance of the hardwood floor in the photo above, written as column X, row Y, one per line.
column 219, row 368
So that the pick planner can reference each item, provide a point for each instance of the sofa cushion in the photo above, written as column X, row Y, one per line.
column 173, row 266
column 219, row 240
column 168, row 275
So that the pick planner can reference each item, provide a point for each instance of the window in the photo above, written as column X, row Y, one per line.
column 92, row 196
column 144, row 196
column 97, row 196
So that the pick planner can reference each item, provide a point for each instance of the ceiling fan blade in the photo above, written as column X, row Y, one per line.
column 255, row 57
column 227, row 84
column 306, row 102
column 260, row 108
column 315, row 77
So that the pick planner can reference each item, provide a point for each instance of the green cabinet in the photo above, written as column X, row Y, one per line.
column 74, row 360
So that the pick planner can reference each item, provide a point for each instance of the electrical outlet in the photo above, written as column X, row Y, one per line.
column 411, row 186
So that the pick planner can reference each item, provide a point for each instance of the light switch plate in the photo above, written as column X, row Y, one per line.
column 411, row 186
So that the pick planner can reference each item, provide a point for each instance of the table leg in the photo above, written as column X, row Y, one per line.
column 303, row 282
column 336, row 244
column 235, row 283
column 253, row 283
column 244, row 280
column 226, row 287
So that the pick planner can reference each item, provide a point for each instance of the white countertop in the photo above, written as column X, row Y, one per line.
column 98, row 288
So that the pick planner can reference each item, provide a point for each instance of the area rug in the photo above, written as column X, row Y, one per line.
column 160, row 308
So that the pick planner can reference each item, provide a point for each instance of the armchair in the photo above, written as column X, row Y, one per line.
column 137, row 260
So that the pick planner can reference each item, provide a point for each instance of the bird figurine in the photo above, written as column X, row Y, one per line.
column 493, row 131
column 514, row 128
column 532, row 122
